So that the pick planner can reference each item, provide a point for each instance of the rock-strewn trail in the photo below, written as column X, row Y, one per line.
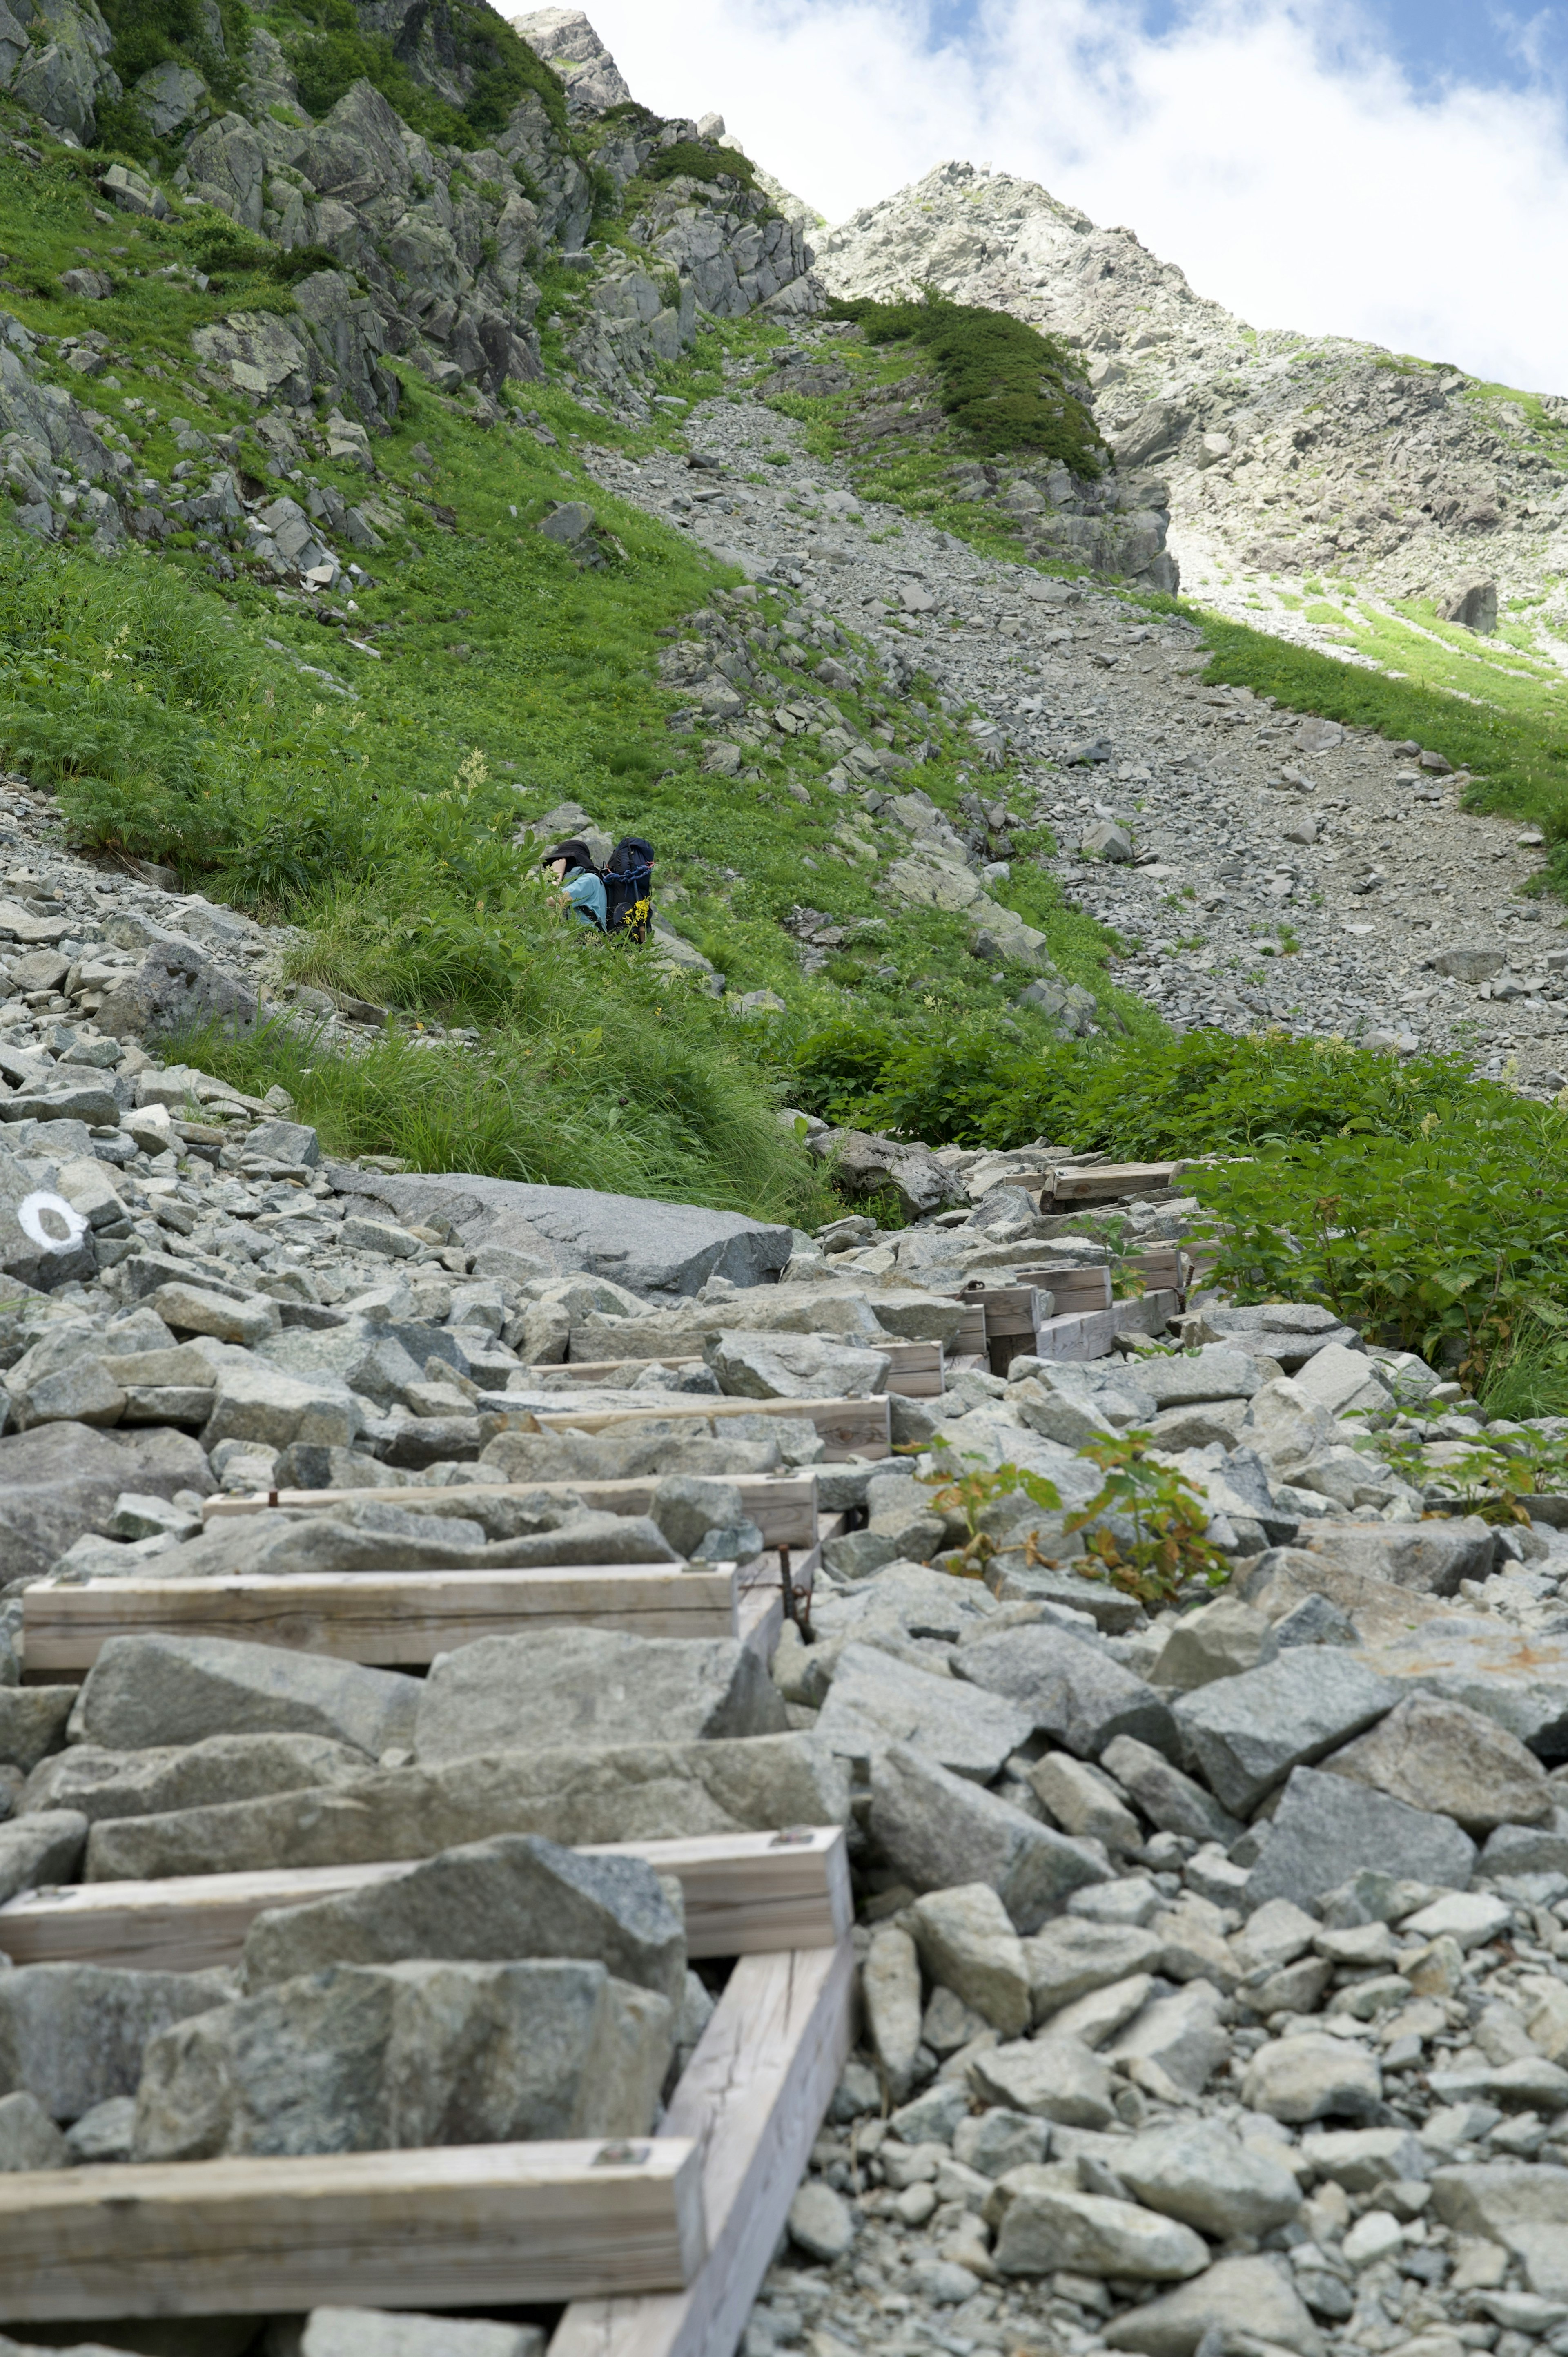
column 1214, row 1964
column 1332, row 879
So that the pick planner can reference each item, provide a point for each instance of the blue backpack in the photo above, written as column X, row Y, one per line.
column 627, row 876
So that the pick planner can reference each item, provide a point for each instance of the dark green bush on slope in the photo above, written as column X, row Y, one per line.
column 1004, row 385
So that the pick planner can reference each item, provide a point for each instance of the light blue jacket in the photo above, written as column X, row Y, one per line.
column 586, row 894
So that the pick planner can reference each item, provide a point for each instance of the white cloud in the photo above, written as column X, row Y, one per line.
column 1275, row 153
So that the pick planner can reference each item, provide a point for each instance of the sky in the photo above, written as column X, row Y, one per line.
column 1390, row 170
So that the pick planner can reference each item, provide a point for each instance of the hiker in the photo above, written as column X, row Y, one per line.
column 572, row 865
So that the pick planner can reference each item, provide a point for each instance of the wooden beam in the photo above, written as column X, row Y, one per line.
column 388, row 1619
column 783, row 1505
column 849, row 1427
column 464, row 2225
column 745, row 1894
column 1082, row 1334
column 753, row 2096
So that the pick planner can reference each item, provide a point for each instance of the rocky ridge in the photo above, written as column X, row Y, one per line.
column 1287, row 455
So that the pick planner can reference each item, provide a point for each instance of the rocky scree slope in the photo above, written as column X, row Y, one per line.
column 1213, row 1960
column 1262, row 870
column 1288, row 457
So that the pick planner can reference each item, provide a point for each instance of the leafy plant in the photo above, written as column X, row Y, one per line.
column 1492, row 1479
column 1166, row 1550
column 969, row 1493
column 696, row 159
column 1441, row 1243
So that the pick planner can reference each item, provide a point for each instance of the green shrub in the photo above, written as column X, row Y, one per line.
column 696, row 159
column 1444, row 1243
column 329, row 50
column 1004, row 385
column 1145, row 1100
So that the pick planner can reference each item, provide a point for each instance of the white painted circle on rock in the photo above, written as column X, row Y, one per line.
column 50, row 1221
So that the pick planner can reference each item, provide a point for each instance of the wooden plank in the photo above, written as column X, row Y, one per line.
column 1082, row 1334
column 745, row 1894
column 761, row 1618
column 388, row 1620
column 754, row 2096
column 1159, row 1266
column 783, row 1505
column 848, row 1427
column 461, row 2225
column 971, row 1341
column 1073, row 1288
column 1106, row 1182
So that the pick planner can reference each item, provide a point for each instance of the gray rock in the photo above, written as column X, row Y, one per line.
column 876, row 1700
column 73, row 2034
column 1041, row 2225
column 936, row 1829
column 176, row 988
column 32, row 1722
column 795, row 1366
column 513, row 1896
column 1361, row 2159
column 1312, row 2076
column 890, row 1990
column 1084, row 1801
column 1181, row 2034
column 1325, row 1827
column 261, row 1403
column 380, row 2332
column 219, row 1768
column 642, row 1792
column 1481, row 1664
column 967, row 1944
column 1199, row 2172
column 822, row 2224
column 43, row 1849
column 1528, row 1850
column 1247, row 2296
column 155, row 1690
column 106, row 2133
column 998, row 2140
column 28, row 2137
column 1053, row 2078
column 1175, row 1802
column 60, row 1481
column 1216, row 1371
column 1220, row 1639
column 375, row 2058
column 592, row 1688
column 1070, row 1959
column 669, row 1248
column 1442, row 1758
column 1431, row 1557
column 1072, row 1690
column 686, row 1509
column 286, row 1141
column 1245, row 1734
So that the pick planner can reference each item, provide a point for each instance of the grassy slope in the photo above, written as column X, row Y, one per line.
column 172, row 714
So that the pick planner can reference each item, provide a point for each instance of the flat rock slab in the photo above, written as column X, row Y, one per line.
column 1328, row 1827
column 938, row 1829
column 592, row 1687
column 1246, row 1733
column 652, row 1247
column 1440, row 1756
column 1431, row 1557
column 876, row 1699
column 653, row 1792
column 1520, row 1681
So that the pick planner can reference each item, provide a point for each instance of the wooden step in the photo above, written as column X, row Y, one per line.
column 782, row 1505
column 386, row 1620
column 745, row 1894
column 496, row 2224
column 753, row 2097
column 848, row 1427
column 660, row 2245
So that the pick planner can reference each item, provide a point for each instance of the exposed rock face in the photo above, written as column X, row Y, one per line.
column 565, row 39
column 1284, row 454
